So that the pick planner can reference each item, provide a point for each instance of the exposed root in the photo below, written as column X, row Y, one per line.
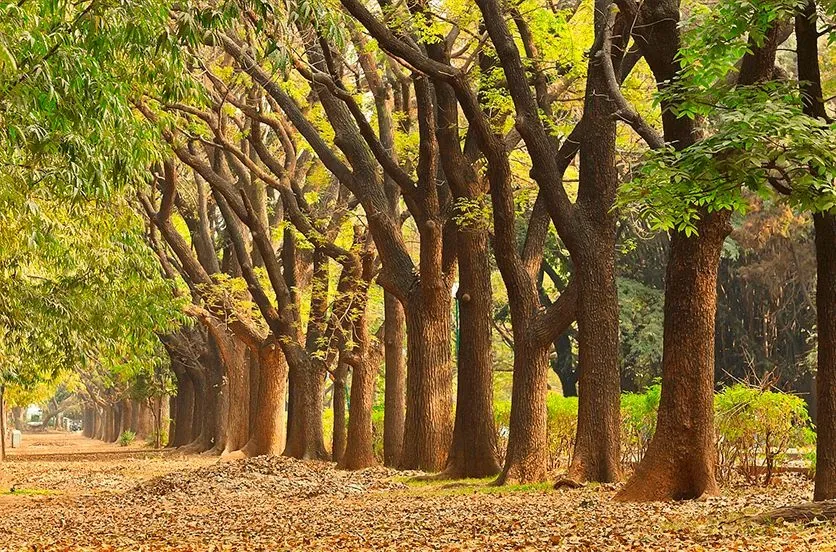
column 809, row 511
column 568, row 483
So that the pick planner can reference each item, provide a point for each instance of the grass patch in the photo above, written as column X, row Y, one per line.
column 29, row 492
column 447, row 487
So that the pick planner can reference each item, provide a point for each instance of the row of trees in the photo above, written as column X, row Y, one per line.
column 300, row 155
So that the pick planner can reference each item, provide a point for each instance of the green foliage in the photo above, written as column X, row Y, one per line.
column 126, row 438
column 641, row 328
column 638, row 415
column 755, row 428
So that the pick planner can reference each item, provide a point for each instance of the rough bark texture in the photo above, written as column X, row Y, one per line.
column 359, row 452
column 338, row 435
column 429, row 407
column 825, row 225
column 592, row 248
column 184, row 418
column 267, row 435
column 473, row 452
column 305, row 438
column 394, row 402
column 238, row 421
column 596, row 456
column 681, row 458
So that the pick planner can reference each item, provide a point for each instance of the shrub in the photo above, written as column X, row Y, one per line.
column 126, row 438
column 561, row 424
column 755, row 428
column 638, row 415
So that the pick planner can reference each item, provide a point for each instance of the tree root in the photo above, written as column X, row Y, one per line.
column 808, row 511
column 568, row 483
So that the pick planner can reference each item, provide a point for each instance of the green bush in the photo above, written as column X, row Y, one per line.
column 755, row 428
column 561, row 424
column 638, row 415
column 126, row 438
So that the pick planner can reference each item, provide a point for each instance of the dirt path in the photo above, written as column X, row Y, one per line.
column 76, row 494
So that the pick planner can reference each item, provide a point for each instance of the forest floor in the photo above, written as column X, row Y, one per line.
column 71, row 493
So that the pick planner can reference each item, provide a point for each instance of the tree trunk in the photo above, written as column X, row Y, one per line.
column 238, row 421
column 526, row 459
column 825, row 224
column 359, row 452
column 305, row 438
column 172, row 416
column 394, row 402
column 428, row 427
column 126, row 407
column 338, row 435
column 562, row 365
column 267, row 434
column 681, row 459
column 596, row 456
column 473, row 452
column 2, row 422
column 185, row 399
column 254, row 380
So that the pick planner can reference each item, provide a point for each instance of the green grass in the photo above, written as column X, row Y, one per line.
column 29, row 492
column 446, row 487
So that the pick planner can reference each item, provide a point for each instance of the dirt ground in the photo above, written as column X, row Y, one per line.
column 64, row 492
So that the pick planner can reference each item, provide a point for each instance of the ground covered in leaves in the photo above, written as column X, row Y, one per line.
column 112, row 499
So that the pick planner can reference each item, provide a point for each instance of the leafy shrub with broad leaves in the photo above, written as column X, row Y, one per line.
column 126, row 438
column 755, row 428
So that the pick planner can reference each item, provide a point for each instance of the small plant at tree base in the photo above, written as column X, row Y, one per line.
column 126, row 438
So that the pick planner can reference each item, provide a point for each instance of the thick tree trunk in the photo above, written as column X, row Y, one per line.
column 338, row 433
column 144, row 420
column 267, row 435
column 394, row 405
column 526, row 459
column 473, row 452
column 359, row 452
column 825, row 224
column 429, row 405
column 185, row 398
column 596, row 456
column 127, row 416
column 199, row 405
column 305, row 438
column 254, row 380
column 238, row 420
column 681, row 459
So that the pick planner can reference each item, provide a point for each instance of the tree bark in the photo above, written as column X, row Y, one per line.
column 305, row 438
column 681, row 459
column 185, row 398
column 429, row 408
column 825, row 225
column 267, row 435
column 2, row 422
column 473, row 452
column 359, row 452
column 238, row 420
column 338, row 434
column 394, row 402
column 597, row 443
